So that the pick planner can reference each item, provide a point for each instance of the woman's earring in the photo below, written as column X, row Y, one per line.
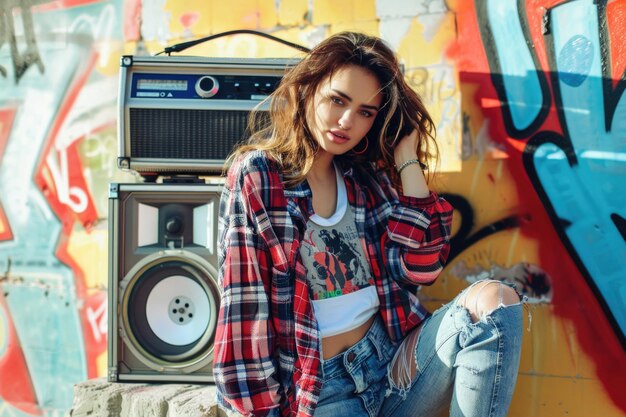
column 361, row 152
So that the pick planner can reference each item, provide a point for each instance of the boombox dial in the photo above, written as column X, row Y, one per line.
column 207, row 86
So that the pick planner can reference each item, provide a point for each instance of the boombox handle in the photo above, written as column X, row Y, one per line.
column 179, row 47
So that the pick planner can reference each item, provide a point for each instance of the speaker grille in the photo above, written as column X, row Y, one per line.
column 186, row 134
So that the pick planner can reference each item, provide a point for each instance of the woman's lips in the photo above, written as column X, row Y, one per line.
column 338, row 137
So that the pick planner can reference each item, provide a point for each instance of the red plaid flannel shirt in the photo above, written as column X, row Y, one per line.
column 267, row 345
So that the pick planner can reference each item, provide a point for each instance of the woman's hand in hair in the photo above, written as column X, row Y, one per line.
column 406, row 148
column 413, row 180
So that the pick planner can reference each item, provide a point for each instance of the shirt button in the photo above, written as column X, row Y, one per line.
column 351, row 357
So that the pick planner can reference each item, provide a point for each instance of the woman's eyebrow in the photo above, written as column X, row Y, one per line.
column 347, row 97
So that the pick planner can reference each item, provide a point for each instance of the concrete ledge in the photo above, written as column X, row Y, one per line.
column 100, row 398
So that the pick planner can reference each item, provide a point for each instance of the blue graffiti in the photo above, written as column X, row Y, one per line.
column 522, row 88
column 575, row 60
column 581, row 174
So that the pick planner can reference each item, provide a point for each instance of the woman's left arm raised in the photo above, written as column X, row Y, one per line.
column 417, row 242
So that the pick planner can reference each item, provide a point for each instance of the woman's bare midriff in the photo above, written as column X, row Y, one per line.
column 334, row 345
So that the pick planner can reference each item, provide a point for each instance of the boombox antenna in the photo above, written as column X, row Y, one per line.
column 179, row 47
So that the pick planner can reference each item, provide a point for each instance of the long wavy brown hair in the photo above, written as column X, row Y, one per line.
column 286, row 135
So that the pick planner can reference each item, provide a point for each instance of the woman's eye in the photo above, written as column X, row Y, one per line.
column 336, row 100
column 366, row 114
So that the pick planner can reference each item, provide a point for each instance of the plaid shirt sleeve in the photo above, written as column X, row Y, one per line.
column 245, row 368
column 417, row 242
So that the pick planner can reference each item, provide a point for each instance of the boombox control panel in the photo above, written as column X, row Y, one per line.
column 203, row 86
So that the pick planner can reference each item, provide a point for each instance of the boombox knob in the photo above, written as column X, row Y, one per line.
column 173, row 225
column 207, row 86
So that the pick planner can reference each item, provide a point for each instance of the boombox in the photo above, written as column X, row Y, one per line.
column 179, row 118
column 163, row 290
column 185, row 114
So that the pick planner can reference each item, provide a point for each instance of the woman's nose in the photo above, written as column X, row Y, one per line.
column 345, row 121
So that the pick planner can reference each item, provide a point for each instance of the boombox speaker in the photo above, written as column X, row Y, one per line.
column 182, row 114
column 163, row 290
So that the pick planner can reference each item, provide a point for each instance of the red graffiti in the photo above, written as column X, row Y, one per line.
column 16, row 388
column 7, row 115
column 96, row 318
column 132, row 19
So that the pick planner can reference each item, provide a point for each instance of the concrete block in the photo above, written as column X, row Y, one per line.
column 97, row 398
column 150, row 401
column 199, row 402
column 100, row 398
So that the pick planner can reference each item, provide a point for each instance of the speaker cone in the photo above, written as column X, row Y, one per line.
column 169, row 310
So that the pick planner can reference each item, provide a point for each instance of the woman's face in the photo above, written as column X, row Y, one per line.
column 344, row 108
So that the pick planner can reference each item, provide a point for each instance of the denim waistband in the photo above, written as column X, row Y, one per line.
column 375, row 341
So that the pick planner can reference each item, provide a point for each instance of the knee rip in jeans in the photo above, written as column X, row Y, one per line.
column 480, row 299
column 484, row 297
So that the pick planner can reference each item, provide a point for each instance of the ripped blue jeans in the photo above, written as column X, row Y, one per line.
column 470, row 367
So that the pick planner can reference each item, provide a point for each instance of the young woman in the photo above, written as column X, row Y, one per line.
column 327, row 226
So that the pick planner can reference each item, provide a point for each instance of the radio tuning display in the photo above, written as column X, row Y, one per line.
column 162, row 85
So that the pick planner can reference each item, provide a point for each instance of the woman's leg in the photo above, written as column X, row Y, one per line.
column 467, row 356
column 488, row 362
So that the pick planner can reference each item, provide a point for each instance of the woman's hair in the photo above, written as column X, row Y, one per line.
column 286, row 135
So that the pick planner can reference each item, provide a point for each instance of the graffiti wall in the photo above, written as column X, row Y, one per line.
column 527, row 97
column 58, row 64
column 541, row 192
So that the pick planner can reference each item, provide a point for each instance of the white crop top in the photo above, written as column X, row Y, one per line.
column 344, row 295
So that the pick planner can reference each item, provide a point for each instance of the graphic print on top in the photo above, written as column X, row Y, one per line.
column 335, row 264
